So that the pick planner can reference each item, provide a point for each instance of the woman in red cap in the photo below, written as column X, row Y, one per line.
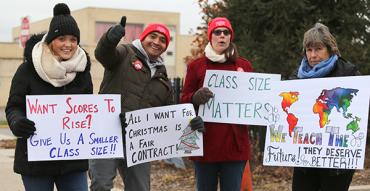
column 226, row 146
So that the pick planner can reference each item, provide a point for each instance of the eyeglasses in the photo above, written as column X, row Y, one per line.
column 218, row 32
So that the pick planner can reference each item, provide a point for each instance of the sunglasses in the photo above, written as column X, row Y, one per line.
column 218, row 32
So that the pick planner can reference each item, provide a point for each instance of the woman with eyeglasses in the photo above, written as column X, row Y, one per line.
column 226, row 147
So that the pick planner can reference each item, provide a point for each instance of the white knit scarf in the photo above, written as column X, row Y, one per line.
column 213, row 56
column 57, row 73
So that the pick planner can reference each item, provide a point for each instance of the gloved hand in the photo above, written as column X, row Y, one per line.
column 117, row 31
column 197, row 124
column 201, row 96
column 122, row 118
column 23, row 128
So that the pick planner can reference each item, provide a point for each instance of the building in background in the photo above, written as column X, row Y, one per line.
column 93, row 22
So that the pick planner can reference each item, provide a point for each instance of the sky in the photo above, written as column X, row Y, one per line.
column 11, row 11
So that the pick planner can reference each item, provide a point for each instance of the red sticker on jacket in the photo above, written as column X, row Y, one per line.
column 240, row 69
column 137, row 65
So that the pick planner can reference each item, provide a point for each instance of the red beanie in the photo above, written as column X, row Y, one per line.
column 219, row 22
column 156, row 27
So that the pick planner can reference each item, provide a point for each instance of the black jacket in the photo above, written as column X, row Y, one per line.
column 27, row 82
column 342, row 68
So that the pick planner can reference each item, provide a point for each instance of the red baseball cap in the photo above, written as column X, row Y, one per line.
column 156, row 27
column 219, row 22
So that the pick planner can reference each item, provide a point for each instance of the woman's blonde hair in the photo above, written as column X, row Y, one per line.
column 320, row 35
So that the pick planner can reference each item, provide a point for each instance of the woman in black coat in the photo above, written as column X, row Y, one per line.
column 54, row 64
column 322, row 59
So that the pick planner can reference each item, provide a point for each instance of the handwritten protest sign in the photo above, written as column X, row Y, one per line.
column 160, row 133
column 70, row 127
column 239, row 97
column 318, row 123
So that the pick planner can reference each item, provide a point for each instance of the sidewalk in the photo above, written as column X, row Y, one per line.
column 9, row 180
column 360, row 188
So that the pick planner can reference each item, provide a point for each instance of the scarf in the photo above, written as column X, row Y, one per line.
column 213, row 56
column 57, row 73
column 319, row 70
column 151, row 63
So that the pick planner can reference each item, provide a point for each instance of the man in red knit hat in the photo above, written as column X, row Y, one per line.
column 137, row 72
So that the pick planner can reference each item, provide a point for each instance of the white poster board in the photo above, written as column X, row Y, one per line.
column 239, row 97
column 160, row 133
column 318, row 123
column 71, row 127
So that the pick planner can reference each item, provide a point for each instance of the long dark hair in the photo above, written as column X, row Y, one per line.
column 231, row 53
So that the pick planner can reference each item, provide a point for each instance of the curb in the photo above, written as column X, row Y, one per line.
column 7, row 137
column 359, row 188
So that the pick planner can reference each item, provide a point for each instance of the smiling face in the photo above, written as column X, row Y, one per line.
column 316, row 54
column 64, row 47
column 154, row 44
column 220, row 39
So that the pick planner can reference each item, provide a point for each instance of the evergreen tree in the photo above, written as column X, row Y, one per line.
column 270, row 33
column 188, row 140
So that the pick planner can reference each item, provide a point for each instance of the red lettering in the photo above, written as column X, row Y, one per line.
column 40, row 109
column 32, row 107
column 69, row 105
column 83, row 124
column 83, row 108
column 108, row 101
column 53, row 107
column 65, row 122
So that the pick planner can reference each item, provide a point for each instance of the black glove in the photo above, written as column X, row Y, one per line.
column 122, row 118
column 201, row 96
column 117, row 31
column 23, row 128
column 197, row 124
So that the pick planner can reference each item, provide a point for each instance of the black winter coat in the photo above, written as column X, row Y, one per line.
column 27, row 82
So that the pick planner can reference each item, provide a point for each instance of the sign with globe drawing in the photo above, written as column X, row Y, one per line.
column 318, row 123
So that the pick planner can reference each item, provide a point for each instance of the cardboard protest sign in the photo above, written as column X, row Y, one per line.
column 160, row 133
column 70, row 127
column 239, row 97
column 318, row 123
